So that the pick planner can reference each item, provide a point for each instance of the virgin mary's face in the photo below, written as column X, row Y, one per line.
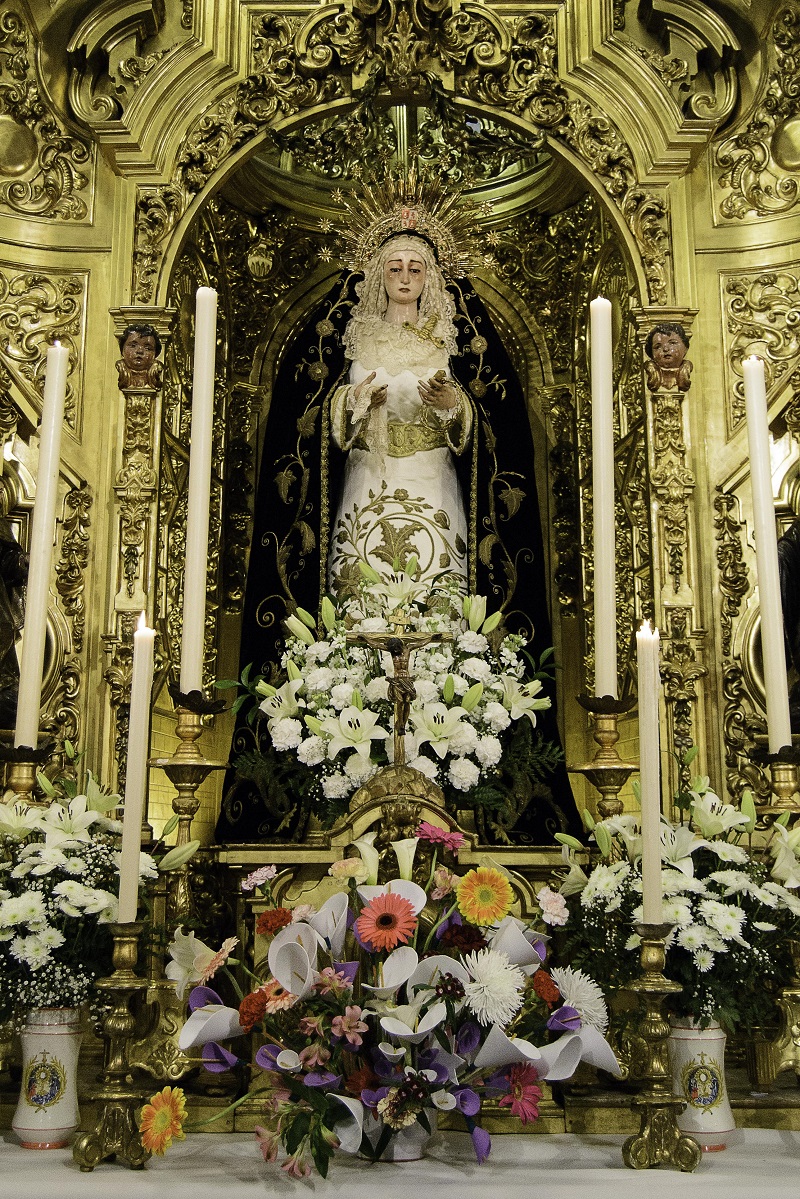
column 404, row 277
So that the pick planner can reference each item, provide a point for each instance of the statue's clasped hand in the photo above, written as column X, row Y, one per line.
column 438, row 391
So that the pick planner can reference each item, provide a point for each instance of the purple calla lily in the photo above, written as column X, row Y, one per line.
column 217, row 1059
column 564, row 1019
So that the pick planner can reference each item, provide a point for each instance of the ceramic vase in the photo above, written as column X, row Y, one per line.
column 697, row 1061
column 406, row 1144
column 47, row 1112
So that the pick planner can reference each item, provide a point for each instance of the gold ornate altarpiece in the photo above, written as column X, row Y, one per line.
column 646, row 151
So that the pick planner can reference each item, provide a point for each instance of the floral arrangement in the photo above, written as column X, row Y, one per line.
column 59, row 883
column 473, row 683
column 732, row 905
column 387, row 1005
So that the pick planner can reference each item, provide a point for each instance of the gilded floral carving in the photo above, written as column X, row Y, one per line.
column 671, row 479
column 680, row 672
column 762, row 316
column 36, row 310
column 75, row 550
column 43, row 170
column 758, row 164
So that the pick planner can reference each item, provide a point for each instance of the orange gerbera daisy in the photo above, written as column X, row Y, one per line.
column 484, row 896
column 161, row 1119
column 276, row 997
column 386, row 921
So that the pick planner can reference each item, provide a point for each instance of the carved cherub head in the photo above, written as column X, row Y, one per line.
column 666, row 347
column 139, row 345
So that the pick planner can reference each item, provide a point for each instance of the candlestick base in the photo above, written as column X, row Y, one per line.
column 659, row 1140
column 784, row 768
column 607, row 772
column 768, row 1059
column 116, row 1134
column 22, row 764
column 186, row 770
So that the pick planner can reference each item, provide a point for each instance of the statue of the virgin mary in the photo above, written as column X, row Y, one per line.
column 397, row 427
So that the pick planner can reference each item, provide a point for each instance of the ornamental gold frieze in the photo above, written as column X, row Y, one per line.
column 406, row 54
column 758, row 164
column 680, row 672
column 35, row 311
column 671, row 480
column 559, row 405
column 43, row 166
column 761, row 316
column 74, row 558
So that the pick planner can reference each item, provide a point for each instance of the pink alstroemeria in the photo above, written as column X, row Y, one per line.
column 331, row 982
column 314, row 1055
column 268, row 1142
column 312, row 1026
column 350, row 1026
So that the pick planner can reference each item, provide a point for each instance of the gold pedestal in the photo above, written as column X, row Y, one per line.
column 116, row 1134
column 659, row 1140
column 606, row 772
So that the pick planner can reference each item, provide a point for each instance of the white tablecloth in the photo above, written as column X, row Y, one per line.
column 763, row 1164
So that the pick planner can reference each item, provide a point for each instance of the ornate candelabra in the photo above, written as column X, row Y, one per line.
column 659, row 1140
column 116, row 1133
column 22, row 764
column 606, row 772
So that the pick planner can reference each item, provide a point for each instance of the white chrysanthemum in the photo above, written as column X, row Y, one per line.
column 336, row 786
column 677, row 911
column 764, row 926
column 675, row 882
column 23, row 909
column 472, row 643
column 496, row 716
column 634, row 941
column 50, row 937
column 312, row 751
column 692, row 938
column 425, row 766
column 703, row 960
column 728, row 853
column 735, row 882
column 489, row 751
column 725, row 918
column 463, row 774
column 583, row 994
column 494, row 992
column 286, row 733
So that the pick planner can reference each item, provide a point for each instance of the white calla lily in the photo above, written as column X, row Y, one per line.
column 407, row 1025
column 404, row 851
column 397, row 886
column 292, row 957
column 331, row 922
column 499, row 1050
column 443, row 1100
column 213, row 1022
column 350, row 1129
column 397, row 970
column 510, row 940
column 369, row 856
column 391, row 1052
column 430, row 970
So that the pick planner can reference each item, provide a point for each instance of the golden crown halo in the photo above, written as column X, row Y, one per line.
column 411, row 202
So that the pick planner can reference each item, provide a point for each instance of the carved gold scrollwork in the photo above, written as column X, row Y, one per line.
column 560, row 406
column 43, row 160
column 74, row 560
column 136, row 483
column 739, row 721
column 158, row 209
column 680, row 671
column 758, row 165
column 671, row 480
column 36, row 310
column 762, row 317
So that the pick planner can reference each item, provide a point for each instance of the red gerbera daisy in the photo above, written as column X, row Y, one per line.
column 386, row 921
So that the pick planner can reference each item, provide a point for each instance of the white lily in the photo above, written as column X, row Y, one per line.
column 18, row 820
column 98, row 800
column 353, row 728
column 677, row 846
column 436, row 723
column 404, row 852
column 523, row 699
column 576, row 878
column 626, row 827
column 713, row 817
column 189, row 958
column 68, row 822
column 284, row 701
column 369, row 855
column 398, row 589
column 786, row 868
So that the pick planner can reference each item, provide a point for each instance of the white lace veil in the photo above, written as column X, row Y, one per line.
column 373, row 300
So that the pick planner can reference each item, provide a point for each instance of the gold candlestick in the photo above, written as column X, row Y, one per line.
column 22, row 764
column 606, row 772
column 186, row 770
column 116, row 1133
column 659, row 1140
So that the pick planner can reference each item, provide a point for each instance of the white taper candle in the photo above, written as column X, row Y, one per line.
column 649, row 682
column 136, row 771
column 605, row 601
column 41, row 547
column 199, row 493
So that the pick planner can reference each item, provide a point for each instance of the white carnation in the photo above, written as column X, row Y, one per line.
column 320, row 679
column 373, row 624
column 425, row 766
column 463, row 774
column 376, row 690
column 489, row 751
column 427, row 691
column 496, row 716
column 286, row 733
column 472, row 643
column 312, row 751
column 336, row 786
column 464, row 740
column 476, row 668
column 359, row 769
column 342, row 695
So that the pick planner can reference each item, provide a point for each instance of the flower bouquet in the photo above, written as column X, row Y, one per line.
column 731, row 903
column 391, row 1003
column 332, row 715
